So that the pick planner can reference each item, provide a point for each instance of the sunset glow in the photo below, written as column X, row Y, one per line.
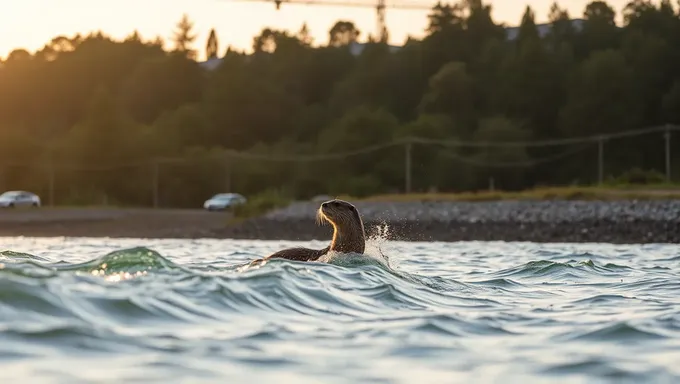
column 29, row 24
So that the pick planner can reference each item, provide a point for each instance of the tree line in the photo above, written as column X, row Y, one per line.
column 92, row 116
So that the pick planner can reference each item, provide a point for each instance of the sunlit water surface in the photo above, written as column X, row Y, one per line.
column 112, row 310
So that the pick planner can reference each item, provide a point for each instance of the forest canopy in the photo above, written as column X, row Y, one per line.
column 94, row 117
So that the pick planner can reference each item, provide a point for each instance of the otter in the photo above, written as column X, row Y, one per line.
column 348, row 233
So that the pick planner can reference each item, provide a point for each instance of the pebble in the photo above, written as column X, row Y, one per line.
column 652, row 221
column 502, row 211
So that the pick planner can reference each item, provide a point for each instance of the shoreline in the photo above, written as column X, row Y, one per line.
column 581, row 232
column 627, row 221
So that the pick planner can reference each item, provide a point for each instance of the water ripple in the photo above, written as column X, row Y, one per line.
column 112, row 310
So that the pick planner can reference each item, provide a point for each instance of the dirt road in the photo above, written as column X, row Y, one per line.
column 111, row 222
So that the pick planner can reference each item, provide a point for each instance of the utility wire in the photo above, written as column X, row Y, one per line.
column 515, row 164
column 226, row 154
column 344, row 3
column 308, row 158
column 546, row 143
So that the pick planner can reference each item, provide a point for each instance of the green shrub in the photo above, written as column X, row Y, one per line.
column 639, row 176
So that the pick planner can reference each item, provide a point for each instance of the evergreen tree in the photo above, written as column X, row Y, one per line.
column 183, row 37
column 212, row 46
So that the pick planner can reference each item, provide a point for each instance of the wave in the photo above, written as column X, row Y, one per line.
column 556, row 271
column 443, row 306
column 622, row 332
column 140, row 285
column 150, row 286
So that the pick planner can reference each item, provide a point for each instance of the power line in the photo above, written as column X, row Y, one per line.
column 223, row 157
column 454, row 143
column 547, row 143
column 373, row 148
column 308, row 158
column 343, row 3
column 515, row 164
column 379, row 5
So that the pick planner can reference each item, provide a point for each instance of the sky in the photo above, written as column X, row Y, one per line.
column 29, row 24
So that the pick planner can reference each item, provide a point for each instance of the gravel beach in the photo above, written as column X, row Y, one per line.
column 645, row 221
column 649, row 221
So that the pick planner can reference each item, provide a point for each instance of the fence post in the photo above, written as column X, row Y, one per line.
column 667, row 137
column 600, row 160
column 51, row 180
column 155, row 181
column 407, row 167
column 227, row 174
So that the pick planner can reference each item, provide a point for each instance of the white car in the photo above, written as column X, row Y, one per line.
column 223, row 201
column 11, row 199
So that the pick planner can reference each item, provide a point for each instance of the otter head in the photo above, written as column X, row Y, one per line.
column 348, row 229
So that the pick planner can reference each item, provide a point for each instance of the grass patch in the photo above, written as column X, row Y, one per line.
column 260, row 204
column 556, row 193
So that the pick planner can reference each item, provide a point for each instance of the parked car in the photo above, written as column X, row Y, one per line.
column 11, row 199
column 222, row 201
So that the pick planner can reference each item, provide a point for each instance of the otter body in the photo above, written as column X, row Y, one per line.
column 348, row 233
column 299, row 254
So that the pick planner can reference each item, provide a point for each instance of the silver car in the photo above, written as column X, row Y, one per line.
column 11, row 199
column 223, row 201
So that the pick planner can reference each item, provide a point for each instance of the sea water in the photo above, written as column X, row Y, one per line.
column 78, row 310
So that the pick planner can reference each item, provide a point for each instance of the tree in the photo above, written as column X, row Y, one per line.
column 147, row 93
column 599, row 29
column 134, row 36
column 366, row 84
column 212, row 46
column 452, row 93
column 304, row 36
column 180, row 129
column 183, row 37
column 480, row 27
column 343, row 33
column 671, row 104
column 443, row 17
column 490, row 160
column 270, row 41
column 601, row 98
column 357, row 129
column 433, row 167
column 60, row 45
column 18, row 56
column 650, row 58
column 247, row 108
column 104, row 140
column 107, row 107
column 561, row 29
column 103, row 136
column 158, row 41
column 527, row 29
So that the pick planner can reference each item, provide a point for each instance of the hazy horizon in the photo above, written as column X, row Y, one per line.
column 236, row 22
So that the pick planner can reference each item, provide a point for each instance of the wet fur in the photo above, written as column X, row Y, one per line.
column 348, row 233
